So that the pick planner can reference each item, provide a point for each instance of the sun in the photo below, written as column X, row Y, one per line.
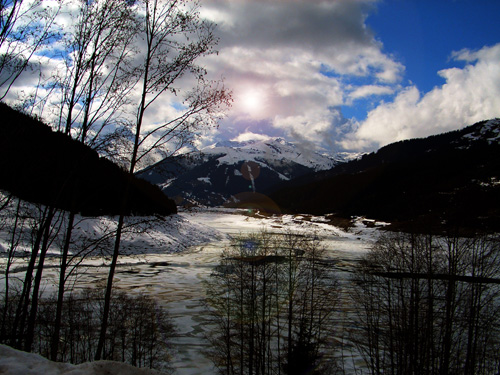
column 252, row 100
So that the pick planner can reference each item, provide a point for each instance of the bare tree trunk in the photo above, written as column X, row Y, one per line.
column 23, row 304
column 54, row 348
column 449, row 312
column 109, row 287
column 38, row 279
column 12, row 248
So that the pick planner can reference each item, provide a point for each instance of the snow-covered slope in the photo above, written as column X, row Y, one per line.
column 15, row 362
column 273, row 151
column 486, row 130
column 217, row 173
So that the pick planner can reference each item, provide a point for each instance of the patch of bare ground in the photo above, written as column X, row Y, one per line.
column 345, row 224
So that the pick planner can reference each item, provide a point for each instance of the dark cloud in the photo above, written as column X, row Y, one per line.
column 306, row 25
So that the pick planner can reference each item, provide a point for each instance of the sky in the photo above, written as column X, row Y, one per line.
column 340, row 75
column 354, row 75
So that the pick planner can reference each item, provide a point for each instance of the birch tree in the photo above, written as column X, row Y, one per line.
column 172, row 38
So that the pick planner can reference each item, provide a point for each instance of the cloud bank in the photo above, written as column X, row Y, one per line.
column 306, row 60
column 295, row 54
column 296, row 67
column 470, row 94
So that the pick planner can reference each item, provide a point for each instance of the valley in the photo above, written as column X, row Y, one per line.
column 175, row 278
column 437, row 193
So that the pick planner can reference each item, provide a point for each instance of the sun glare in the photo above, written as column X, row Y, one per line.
column 252, row 101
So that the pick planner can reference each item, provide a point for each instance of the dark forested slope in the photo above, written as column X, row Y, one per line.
column 42, row 166
column 452, row 178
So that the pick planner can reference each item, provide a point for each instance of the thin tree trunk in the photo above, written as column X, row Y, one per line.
column 22, row 307
column 54, row 347
column 38, row 279
column 12, row 248
column 116, row 250
column 109, row 286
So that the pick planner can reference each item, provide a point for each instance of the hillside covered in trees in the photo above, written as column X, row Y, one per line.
column 451, row 178
column 42, row 166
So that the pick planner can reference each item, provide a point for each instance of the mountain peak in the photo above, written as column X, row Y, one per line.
column 222, row 170
column 273, row 150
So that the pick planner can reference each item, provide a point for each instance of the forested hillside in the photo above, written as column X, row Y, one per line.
column 452, row 179
column 42, row 166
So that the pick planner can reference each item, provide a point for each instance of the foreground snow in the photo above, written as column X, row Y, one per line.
column 15, row 362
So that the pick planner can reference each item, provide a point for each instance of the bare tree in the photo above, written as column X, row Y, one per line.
column 140, row 329
column 106, row 69
column 96, row 82
column 174, row 39
column 42, row 233
column 272, row 301
column 15, row 222
column 427, row 305
column 93, row 91
column 24, row 27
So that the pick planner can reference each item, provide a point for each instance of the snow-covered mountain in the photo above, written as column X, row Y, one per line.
column 218, row 173
column 272, row 152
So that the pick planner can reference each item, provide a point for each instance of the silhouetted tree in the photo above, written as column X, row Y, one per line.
column 173, row 39
column 272, row 300
column 429, row 305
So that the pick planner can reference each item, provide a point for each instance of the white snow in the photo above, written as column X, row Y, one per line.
column 205, row 180
column 275, row 149
column 252, row 179
column 15, row 362
column 142, row 235
column 166, row 183
column 489, row 131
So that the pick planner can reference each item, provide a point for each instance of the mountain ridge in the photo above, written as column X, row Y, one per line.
column 447, row 178
column 216, row 174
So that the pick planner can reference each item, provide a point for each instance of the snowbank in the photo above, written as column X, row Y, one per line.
column 15, row 362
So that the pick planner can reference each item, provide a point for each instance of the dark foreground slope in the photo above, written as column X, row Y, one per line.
column 452, row 178
column 42, row 166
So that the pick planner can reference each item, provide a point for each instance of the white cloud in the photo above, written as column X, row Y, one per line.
column 313, row 127
column 286, row 61
column 470, row 94
column 249, row 136
column 370, row 90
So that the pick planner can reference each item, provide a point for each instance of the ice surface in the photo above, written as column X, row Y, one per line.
column 192, row 243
